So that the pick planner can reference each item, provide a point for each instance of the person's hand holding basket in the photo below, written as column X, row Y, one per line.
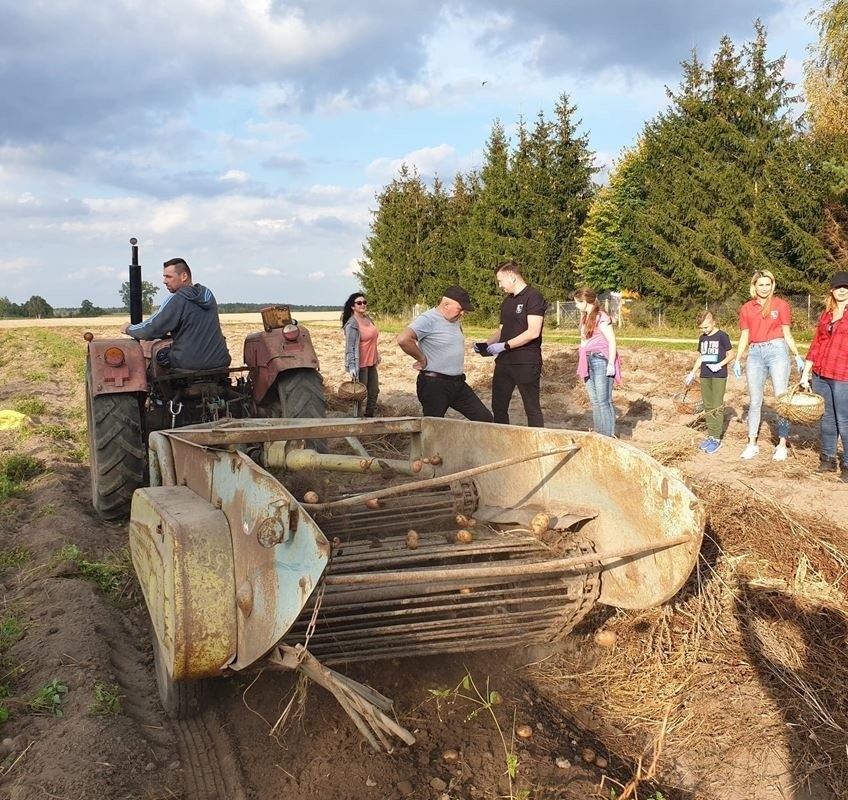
column 800, row 404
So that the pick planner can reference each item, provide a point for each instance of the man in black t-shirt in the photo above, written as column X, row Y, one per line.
column 518, row 346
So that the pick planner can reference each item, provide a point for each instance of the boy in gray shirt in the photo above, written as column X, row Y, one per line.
column 436, row 341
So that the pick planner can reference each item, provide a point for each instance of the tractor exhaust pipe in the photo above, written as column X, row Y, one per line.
column 135, row 284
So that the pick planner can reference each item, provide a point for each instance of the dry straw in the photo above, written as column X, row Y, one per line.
column 746, row 662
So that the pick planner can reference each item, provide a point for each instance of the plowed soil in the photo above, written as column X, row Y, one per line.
column 59, row 625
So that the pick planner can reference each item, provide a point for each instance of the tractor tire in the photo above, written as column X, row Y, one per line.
column 301, row 394
column 180, row 699
column 116, row 452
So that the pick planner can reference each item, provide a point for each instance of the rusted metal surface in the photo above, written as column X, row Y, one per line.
column 244, row 431
column 126, row 377
column 537, row 567
column 640, row 531
column 279, row 456
column 441, row 480
column 454, row 612
column 279, row 554
column 423, row 511
column 182, row 553
column 269, row 353
column 638, row 501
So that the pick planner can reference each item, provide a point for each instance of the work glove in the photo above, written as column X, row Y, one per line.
column 689, row 378
column 805, row 381
column 354, row 376
column 713, row 367
column 610, row 370
column 799, row 363
column 737, row 369
column 495, row 348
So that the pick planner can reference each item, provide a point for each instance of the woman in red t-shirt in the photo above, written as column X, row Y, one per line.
column 827, row 362
column 765, row 331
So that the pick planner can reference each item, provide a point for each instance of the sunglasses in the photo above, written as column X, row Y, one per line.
column 360, row 302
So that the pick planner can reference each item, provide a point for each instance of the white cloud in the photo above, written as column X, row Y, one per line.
column 235, row 176
column 440, row 160
column 352, row 267
column 317, row 276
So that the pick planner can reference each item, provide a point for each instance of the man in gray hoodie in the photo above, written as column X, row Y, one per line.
column 190, row 315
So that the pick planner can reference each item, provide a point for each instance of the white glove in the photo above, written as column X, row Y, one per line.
column 714, row 367
column 690, row 376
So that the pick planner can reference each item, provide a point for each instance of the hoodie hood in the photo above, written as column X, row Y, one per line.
column 198, row 294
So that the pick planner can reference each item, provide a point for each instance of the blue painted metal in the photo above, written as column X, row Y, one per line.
column 279, row 553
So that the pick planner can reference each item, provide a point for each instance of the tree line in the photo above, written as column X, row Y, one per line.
column 723, row 182
column 38, row 308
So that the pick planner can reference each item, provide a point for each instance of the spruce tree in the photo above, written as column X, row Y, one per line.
column 492, row 230
column 391, row 268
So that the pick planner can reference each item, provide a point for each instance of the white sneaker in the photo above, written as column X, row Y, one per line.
column 750, row 451
column 779, row 453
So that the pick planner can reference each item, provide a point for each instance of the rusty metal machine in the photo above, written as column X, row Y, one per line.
column 251, row 549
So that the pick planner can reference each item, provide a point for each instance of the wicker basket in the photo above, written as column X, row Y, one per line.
column 689, row 401
column 353, row 390
column 800, row 405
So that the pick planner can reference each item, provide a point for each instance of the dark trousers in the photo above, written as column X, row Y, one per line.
column 437, row 395
column 368, row 376
column 526, row 377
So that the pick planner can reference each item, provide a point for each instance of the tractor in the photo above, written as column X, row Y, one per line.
column 129, row 395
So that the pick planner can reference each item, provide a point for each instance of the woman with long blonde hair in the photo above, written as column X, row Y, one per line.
column 598, row 362
column 765, row 331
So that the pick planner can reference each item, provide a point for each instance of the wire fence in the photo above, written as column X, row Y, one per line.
column 629, row 312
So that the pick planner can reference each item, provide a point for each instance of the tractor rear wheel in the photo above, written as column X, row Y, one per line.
column 116, row 452
column 301, row 394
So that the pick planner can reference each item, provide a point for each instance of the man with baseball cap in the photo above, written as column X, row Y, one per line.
column 436, row 342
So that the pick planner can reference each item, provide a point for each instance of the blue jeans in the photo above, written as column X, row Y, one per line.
column 766, row 360
column 599, row 387
column 834, row 423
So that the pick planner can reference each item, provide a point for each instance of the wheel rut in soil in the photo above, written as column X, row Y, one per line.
column 211, row 769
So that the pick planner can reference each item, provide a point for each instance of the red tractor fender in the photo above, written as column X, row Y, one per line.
column 116, row 366
column 270, row 352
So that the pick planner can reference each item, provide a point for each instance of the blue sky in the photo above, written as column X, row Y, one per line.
column 251, row 137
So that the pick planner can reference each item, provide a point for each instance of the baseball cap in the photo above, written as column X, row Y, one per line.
column 840, row 279
column 460, row 295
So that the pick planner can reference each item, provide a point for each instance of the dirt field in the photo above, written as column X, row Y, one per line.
column 686, row 684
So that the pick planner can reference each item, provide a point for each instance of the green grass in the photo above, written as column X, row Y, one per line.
column 107, row 700
column 31, row 406
column 47, row 701
column 11, row 559
column 113, row 575
column 15, row 471
column 11, row 629
column 59, row 433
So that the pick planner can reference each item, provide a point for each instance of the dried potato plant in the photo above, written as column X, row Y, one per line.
column 743, row 670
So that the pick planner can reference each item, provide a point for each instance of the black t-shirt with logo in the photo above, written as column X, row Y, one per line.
column 713, row 349
column 514, row 312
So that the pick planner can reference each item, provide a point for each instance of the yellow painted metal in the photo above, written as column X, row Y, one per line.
column 182, row 553
column 278, row 552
